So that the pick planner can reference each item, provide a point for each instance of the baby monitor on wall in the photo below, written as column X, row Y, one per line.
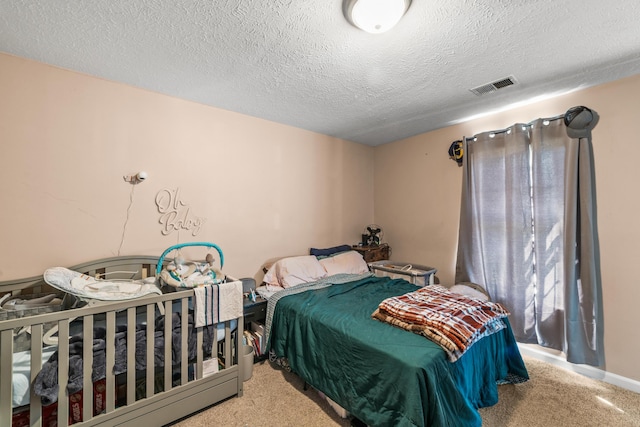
column 137, row 178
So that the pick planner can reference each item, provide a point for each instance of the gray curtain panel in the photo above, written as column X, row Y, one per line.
column 528, row 234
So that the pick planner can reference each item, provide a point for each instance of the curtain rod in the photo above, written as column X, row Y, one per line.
column 579, row 123
column 456, row 148
column 497, row 132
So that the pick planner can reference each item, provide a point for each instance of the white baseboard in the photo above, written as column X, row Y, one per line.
column 586, row 370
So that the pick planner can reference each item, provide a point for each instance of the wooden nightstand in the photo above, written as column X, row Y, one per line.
column 374, row 253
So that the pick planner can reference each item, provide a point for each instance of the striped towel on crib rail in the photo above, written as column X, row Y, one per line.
column 217, row 303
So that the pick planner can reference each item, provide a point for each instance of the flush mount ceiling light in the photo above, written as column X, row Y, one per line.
column 375, row 16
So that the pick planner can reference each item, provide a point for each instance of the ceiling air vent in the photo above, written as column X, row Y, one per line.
column 494, row 86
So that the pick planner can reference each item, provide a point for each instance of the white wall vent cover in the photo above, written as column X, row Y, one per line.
column 494, row 86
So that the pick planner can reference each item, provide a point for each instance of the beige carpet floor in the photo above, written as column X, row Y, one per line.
column 553, row 397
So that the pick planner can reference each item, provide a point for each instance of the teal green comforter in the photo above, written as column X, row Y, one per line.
column 381, row 374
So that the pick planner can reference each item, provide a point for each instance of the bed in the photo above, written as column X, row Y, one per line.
column 323, row 330
column 138, row 384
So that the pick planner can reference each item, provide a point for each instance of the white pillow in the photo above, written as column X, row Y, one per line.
column 293, row 271
column 469, row 292
column 350, row 262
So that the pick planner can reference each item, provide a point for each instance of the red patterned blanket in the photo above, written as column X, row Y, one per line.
column 453, row 321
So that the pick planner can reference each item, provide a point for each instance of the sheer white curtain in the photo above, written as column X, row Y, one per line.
column 528, row 234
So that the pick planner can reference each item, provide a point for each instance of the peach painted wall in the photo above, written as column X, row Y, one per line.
column 417, row 201
column 266, row 190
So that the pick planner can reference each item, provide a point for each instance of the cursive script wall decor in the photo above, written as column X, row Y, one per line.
column 175, row 215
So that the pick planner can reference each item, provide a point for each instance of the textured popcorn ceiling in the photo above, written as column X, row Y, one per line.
column 300, row 63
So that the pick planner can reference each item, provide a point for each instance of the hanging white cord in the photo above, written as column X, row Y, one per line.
column 126, row 221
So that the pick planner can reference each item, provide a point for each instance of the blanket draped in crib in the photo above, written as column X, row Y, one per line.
column 453, row 321
column 46, row 382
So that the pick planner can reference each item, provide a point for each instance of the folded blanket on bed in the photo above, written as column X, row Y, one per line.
column 46, row 382
column 453, row 321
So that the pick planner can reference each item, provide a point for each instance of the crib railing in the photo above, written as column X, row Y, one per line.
column 140, row 388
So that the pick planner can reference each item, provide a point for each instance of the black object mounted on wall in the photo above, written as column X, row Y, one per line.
column 456, row 151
